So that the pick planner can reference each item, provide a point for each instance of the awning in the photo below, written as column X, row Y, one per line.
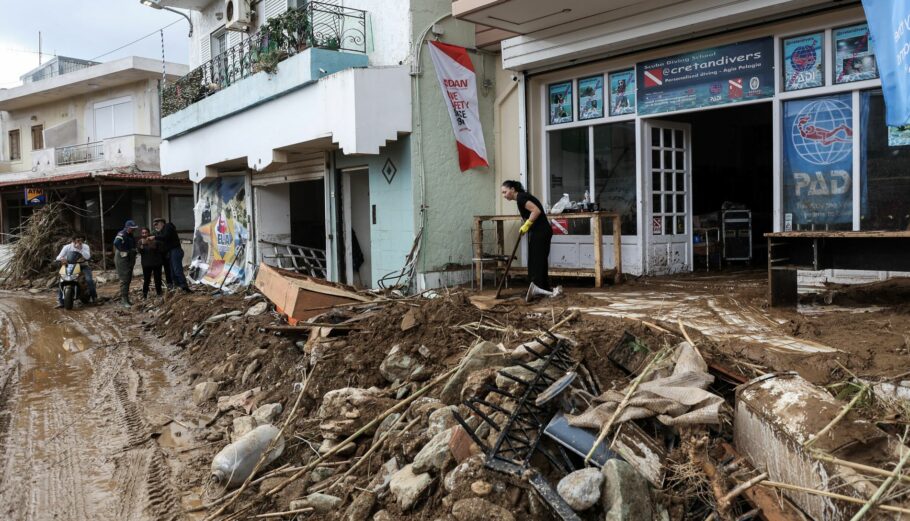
column 95, row 178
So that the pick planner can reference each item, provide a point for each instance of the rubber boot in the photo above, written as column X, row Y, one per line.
column 125, row 302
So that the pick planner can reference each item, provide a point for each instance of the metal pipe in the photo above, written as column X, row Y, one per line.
column 101, row 215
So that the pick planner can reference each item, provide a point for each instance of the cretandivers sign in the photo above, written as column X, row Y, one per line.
column 716, row 76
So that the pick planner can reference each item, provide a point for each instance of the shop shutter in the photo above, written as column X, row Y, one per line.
column 310, row 167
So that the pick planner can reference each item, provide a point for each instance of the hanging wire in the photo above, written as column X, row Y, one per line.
column 163, row 71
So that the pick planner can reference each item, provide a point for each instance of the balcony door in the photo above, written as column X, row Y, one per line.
column 113, row 118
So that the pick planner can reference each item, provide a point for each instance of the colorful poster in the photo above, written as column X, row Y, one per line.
column 889, row 26
column 458, row 82
column 220, row 253
column 818, row 160
column 716, row 76
column 804, row 63
column 591, row 97
column 853, row 56
column 622, row 92
column 560, row 97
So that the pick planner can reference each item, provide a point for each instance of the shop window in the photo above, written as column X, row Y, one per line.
column 180, row 209
column 15, row 153
column 614, row 173
column 817, row 148
column 885, row 161
column 37, row 137
column 569, row 173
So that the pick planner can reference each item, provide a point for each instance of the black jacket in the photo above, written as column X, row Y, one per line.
column 152, row 254
column 168, row 238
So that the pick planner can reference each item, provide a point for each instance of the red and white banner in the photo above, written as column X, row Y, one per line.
column 459, row 86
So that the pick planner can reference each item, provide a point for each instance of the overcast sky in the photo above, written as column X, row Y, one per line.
column 84, row 29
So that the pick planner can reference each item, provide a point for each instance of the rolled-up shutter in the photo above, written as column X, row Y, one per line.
column 310, row 167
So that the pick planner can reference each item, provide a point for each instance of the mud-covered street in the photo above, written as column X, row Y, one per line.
column 85, row 398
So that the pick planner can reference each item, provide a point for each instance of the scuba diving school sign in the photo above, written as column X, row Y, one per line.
column 818, row 161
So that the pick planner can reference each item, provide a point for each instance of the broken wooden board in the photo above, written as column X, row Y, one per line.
column 641, row 451
column 301, row 297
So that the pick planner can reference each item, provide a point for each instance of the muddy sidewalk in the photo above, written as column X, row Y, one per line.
column 84, row 399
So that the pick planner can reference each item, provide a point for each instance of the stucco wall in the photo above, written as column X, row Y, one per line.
column 387, row 30
column 81, row 108
column 393, row 234
column 451, row 198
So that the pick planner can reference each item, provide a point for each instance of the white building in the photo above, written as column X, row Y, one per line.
column 88, row 133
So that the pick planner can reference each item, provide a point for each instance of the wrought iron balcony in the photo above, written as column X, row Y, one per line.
column 319, row 25
column 74, row 154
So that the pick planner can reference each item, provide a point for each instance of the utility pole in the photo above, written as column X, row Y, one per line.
column 39, row 48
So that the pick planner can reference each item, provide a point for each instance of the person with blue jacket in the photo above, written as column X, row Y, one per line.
column 125, row 259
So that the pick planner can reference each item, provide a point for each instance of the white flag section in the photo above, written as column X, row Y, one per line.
column 459, row 86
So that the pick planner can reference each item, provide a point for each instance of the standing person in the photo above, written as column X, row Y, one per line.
column 80, row 246
column 166, row 235
column 537, row 227
column 152, row 262
column 125, row 259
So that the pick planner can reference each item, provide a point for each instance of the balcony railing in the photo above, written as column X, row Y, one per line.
column 75, row 154
column 324, row 26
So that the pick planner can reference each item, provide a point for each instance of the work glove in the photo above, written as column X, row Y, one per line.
column 526, row 226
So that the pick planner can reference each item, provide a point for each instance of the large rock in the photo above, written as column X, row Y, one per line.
column 477, row 509
column 435, row 454
column 481, row 356
column 344, row 411
column 581, row 489
column 321, row 503
column 267, row 413
column 251, row 368
column 407, row 486
column 205, row 392
column 243, row 425
column 381, row 480
column 441, row 420
column 524, row 374
column 361, row 507
column 257, row 309
column 626, row 495
column 398, row 365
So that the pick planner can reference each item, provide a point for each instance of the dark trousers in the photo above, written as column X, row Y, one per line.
column 175, row 267
column 168, row 278
column 539, row 257
column 125, row 272
column 147, row 273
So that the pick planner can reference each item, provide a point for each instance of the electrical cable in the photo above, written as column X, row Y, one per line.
column 137, row 40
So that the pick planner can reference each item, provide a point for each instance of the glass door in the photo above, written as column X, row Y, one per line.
column 668, row 180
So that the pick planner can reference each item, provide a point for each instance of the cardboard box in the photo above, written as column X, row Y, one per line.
column 301, row 297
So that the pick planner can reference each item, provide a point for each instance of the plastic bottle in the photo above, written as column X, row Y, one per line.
column 587, row 198
column 234, row 463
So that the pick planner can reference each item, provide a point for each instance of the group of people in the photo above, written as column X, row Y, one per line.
column 159, row 252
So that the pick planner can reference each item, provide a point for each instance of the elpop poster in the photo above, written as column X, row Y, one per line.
column 804, row 64
column 560, row 98
column 622, row 93
column 853, row 56
column 716, row 76
column 222, row 232
column 591, row 97
column 818, row 160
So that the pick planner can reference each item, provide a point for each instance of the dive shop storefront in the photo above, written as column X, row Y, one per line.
column 705, row 145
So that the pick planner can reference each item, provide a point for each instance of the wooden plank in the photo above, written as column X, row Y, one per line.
column 841, row 234
column 598, row 252
column 617, row 249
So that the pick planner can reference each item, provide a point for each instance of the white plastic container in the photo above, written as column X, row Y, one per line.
column 234, row 463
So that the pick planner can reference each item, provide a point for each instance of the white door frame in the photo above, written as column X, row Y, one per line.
column 662, row 264
column 346, row 218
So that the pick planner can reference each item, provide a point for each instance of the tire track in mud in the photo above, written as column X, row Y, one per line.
column 74, row 439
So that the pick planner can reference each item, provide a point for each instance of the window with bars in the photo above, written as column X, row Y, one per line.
column 37, row 137
column 15, row 154
column 668, row 181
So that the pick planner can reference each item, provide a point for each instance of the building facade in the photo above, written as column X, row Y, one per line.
column 681, row 115
column 88, row 134
column 328, row 141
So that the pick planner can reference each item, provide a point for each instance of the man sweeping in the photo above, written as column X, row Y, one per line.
column 537, row 228
column 125, row 259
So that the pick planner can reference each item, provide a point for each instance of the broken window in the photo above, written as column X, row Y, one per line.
column 37, row 137
column 884, row 162
column 14, row 153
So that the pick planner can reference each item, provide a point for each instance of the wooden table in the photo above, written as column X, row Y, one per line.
column 789, row 252
column 597, row 271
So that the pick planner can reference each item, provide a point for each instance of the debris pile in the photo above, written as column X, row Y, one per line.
column 36, row 245
column 427, row 407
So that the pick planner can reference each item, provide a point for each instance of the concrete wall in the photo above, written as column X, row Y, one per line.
column 392, row 236
column 81, row 109
column 451, row 198
column 387, row 28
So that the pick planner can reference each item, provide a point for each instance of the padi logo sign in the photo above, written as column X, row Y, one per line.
column 836, row 182
column 822, row 132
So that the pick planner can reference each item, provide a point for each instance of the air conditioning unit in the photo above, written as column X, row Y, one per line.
column 238, row 15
